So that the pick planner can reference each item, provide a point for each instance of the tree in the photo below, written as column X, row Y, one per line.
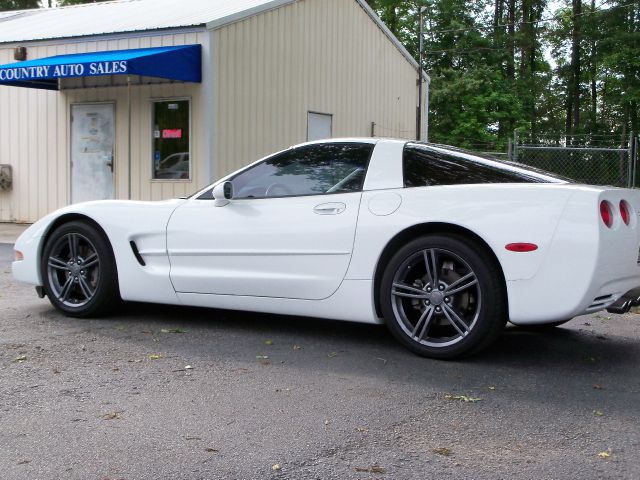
column 18, row 4
column 30, row 4
column 489, row 62
column 619, row 65
column 66, row 3
column 573, row 95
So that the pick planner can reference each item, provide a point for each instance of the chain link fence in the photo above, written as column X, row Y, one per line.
column 591, row 159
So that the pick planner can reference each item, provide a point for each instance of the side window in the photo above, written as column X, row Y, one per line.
column 309, row 170
column 424, row 166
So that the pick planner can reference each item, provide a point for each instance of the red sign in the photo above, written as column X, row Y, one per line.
column 172, row 133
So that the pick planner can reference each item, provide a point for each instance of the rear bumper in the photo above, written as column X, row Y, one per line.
column 625, row 302
column 588, row 267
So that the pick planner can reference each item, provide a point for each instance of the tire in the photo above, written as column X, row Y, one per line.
column 428, row 321
column 79, row 271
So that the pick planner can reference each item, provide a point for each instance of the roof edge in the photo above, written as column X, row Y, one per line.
column 250, row 12
column 104, row 36
column 374, row 16
column 63, row 7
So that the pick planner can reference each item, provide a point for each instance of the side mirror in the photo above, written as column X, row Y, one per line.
column 222, row 193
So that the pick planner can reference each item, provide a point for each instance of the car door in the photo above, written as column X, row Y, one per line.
column 288, row 231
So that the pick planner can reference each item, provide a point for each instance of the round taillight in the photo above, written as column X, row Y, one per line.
column 625, row 212
column 606, row 212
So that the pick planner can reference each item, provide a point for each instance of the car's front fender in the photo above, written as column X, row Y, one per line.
column 122, row 222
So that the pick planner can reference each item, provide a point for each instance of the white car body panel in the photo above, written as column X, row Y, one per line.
column 277, row 255
column 382, row 173
column 502, row 215
column 123, row 222
column 352, row 302
column 603, row 262
column 273, row 247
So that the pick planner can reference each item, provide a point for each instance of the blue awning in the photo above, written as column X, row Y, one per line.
column 181, row 63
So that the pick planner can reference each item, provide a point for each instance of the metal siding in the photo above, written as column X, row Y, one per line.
column 29, row 142
column 123, row 16
column 313, row 55
column 34, row 133
column 325, row 56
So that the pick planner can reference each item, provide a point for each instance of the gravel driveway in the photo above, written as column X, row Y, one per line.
column 179, row 393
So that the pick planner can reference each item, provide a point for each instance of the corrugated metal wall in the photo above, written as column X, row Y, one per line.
column 324, row 56
column 34, row 132
column 269, row 71
column 29, row 142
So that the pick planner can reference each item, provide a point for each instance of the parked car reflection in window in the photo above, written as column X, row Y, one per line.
column 174, row 167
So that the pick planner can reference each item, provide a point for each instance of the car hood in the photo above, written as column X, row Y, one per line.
column 105, row 213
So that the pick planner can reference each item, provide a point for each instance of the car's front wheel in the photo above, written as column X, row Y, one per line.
column 442, row 296
column 78, row 271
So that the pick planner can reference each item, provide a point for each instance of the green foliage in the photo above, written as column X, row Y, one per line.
column 18, row 4
column 501, row 65
column 28, row 4
column 66, row 3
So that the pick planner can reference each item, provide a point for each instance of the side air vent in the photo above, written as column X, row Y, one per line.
column 604, row 297
column 136, row 253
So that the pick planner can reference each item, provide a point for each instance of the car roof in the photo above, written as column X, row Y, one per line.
column 341, row 140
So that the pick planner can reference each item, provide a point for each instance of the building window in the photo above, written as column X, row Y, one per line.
column 319, row 126
column 171, row 140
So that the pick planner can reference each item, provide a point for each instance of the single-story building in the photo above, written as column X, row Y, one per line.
column 153, row 99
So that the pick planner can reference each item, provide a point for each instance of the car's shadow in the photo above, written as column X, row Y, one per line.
column 548, row 365
column 569, row 344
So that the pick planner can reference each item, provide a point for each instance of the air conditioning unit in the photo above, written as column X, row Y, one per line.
column 6, row 177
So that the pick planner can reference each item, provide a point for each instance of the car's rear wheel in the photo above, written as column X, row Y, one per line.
column 79, row 271
column 442, row 296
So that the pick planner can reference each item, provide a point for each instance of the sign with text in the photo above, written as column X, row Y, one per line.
column 172, row 133
column 48, row 72
column 180, row 62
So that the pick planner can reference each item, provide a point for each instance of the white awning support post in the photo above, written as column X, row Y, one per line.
column 129, row 136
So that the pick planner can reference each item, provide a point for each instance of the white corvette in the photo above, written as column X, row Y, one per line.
column 442, row 245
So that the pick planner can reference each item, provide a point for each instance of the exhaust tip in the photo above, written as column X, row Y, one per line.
column 625, row 302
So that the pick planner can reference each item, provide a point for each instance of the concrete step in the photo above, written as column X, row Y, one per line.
column 9, row 232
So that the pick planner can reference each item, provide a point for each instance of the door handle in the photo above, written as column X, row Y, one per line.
column 335, row 208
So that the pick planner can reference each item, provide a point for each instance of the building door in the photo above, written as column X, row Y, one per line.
column 92, row 152
column 319, row 126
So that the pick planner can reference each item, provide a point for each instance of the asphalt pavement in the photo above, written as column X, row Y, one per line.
column 158, row 392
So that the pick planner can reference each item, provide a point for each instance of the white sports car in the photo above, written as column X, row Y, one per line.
column 442, row 245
